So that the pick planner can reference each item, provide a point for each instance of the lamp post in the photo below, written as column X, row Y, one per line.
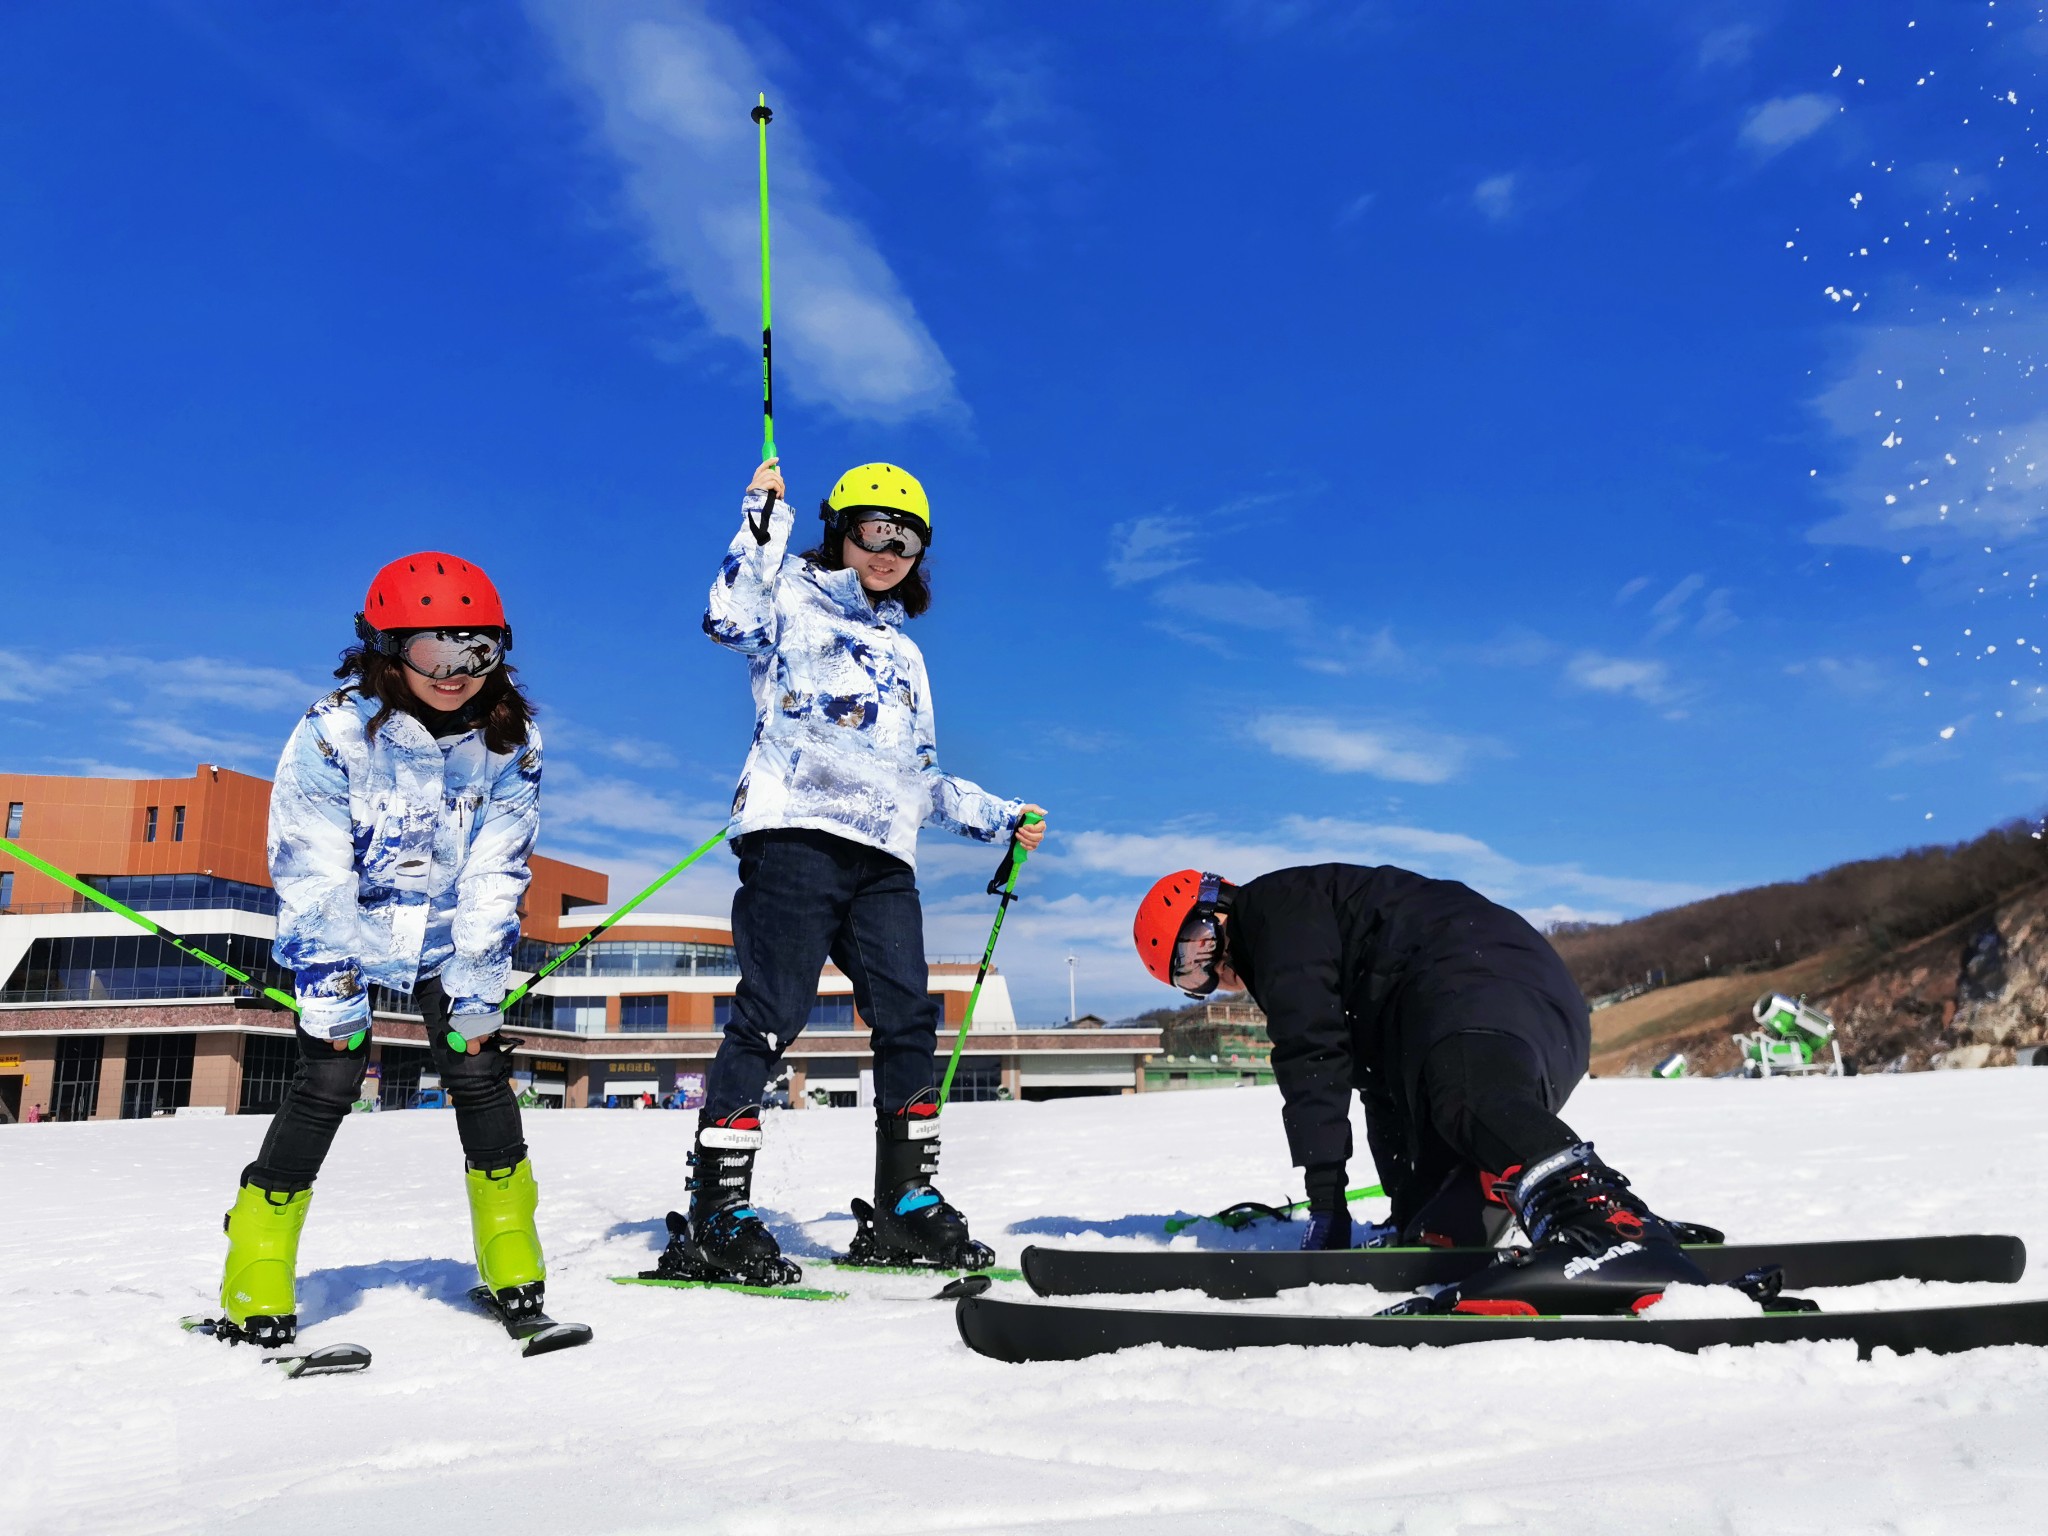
column 1072, row 1012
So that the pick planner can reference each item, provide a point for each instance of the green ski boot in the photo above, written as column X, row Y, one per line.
column 508, row 1258
column 256, row 1288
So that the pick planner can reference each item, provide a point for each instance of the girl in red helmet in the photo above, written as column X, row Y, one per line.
column 842, row 773
column 401, row 820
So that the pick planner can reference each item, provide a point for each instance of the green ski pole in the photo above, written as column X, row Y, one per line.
column 584, row 943
column 43, row 867
column 763, row 117
column 1017, row 855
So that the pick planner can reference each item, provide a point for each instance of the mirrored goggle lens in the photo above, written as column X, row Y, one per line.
column 452, row 652
column 1194, row 959
column 879, row 535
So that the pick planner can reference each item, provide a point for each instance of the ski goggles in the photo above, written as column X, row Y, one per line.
column 886, row 535
column 442, row 653
column 1197, row 953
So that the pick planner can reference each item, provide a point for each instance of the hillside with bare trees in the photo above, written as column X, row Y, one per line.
column 1865, row 909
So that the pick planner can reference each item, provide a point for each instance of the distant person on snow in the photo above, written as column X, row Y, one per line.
column 401, row 820
column 1463, row 1034
column 842, row 772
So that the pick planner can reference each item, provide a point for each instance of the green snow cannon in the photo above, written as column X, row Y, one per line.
column 1791, row 1034
column 1672, row 1067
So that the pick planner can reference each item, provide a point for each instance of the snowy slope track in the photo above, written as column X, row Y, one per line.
column 703, row 1411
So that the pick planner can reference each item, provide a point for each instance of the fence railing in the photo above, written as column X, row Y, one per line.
column 264, row 903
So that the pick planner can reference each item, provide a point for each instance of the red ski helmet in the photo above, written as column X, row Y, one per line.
column 431, row 590
column 1165, row 911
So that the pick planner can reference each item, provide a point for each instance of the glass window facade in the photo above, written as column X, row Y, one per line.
column 268, row 1062
column 177, row 823
column 14, row 818
column 631, row 957
column 159, row 1076
column 137, row 965
column 643, row 1015
column 6, row 889
column 583, row 1015
column 203, row 893
column 149, row 825
column 979, row 1080
column 75, row 1084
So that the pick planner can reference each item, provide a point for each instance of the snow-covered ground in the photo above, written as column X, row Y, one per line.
column 706, row 1412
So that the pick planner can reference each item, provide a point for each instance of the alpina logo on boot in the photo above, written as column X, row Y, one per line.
column 1586, row 1266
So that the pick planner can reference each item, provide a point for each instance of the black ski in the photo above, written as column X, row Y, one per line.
column 1242, row 1276
column 537, row 1335
column 328, row 1360
column 1018, row 1331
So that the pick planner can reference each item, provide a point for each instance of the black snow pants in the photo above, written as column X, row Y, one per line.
column 1479, row 1102
column 1485, row 1108
column 329, row 1082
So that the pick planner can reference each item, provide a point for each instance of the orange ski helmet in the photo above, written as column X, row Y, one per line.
column 1165, row 911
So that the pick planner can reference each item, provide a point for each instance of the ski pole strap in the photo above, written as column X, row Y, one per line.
column 1004, row 881
column 584, row 943
column 71, row 882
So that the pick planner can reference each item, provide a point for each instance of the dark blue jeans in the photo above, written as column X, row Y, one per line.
column 806, row 897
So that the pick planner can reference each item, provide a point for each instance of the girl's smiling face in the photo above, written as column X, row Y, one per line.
column 443, row 693
column 878, row 573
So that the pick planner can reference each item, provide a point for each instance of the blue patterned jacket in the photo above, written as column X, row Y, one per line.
column 397, row 859
column 844, row 736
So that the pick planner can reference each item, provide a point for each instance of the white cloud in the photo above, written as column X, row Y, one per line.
column 1783, row 121
column 1303, row 840
column 1386, row 752
column 1668, row 612
column 671, row 89
column 614, row 812
column 1495, row 198
column 1240, row 604
column 1727, row 45
column 186, row 679
column 1147, row 548
column 1649, row 681
column 249, row 753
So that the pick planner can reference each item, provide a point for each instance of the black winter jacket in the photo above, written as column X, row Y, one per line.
column 1361, row 970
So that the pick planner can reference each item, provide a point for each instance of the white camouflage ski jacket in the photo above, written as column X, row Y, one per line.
column 398, row 858
column 844, row 737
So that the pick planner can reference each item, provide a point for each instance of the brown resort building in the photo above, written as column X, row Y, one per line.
column 101, row 1020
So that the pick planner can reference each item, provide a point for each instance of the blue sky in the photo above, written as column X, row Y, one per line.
column 1589, row 456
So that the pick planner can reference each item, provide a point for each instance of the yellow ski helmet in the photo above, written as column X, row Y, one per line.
column 882, row 488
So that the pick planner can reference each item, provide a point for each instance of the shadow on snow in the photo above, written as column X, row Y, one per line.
column 329, row 1293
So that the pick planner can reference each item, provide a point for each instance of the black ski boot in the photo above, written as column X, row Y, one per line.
column 1595, row 1247
column 910, row 1225
column 723, row 1239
